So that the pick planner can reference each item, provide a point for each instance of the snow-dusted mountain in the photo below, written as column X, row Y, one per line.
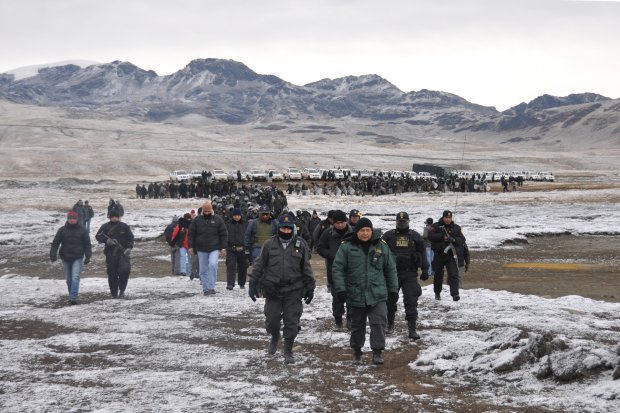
column 229, row 91
column 33, row 70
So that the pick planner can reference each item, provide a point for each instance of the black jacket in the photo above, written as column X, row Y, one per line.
column 330, row 242
column 437, row 233
column 74, row 243
column 318, row 230
column 236, row 232
column 118, row 231
column 328, row 245
column 208, row 235
column 284, row 271
column 409, row 257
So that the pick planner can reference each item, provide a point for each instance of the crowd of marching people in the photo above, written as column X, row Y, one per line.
column 366, row 269
column 377, row 184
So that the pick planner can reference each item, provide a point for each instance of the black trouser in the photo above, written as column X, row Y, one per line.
column 411, row 292
column 337, row 305
column 377, row 318
column 440, row 261
column 288, row 308
column 118, row 269
column 236, row 265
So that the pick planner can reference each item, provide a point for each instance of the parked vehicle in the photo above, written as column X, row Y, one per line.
column 195, row 174
column 220, row 175
column 362, row 173
column 547, row 176
column 292, row 174
column 338, row 175
column 276, row 176
column 180, row 175
column 311, row 173
column 232, row 175
column 256, row 175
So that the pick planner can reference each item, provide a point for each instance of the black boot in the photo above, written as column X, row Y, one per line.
column 273, row 344
column 338, row 322
column 357, row 355
column 376, row 357
column 288, row 351
column 412, row 333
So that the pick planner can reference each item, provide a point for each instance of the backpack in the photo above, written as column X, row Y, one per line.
column 168, row 233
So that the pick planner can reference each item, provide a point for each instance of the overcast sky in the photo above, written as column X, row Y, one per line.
column 492, row 52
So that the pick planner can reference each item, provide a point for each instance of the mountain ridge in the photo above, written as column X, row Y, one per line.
column 231, row 92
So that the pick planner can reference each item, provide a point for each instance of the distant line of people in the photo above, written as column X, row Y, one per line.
column 378, row 184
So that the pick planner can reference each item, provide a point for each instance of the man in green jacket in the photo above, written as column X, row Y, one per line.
column 364, row 275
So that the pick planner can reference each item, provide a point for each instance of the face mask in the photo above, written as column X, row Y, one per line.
column 402, row 226
column 206, row 215
column 285, row 236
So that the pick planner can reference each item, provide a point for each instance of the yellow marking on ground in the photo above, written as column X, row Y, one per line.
column 558, row 266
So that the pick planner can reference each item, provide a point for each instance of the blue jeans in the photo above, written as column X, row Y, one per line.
column 73, row 269
column 255, row 252
column 429, row 257
column 207, row 264
column 185, row 264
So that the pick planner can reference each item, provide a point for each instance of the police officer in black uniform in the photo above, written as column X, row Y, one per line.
column 446, row 239
column 118, row 240
column 408, row 248
column 283, row 275
column 327, row 247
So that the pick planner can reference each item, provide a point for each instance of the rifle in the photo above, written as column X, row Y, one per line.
column 116, row 243
column 451, row 247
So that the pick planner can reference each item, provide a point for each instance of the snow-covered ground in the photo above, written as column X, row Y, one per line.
column 167, row 348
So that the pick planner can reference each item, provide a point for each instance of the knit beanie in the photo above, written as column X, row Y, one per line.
column 363, row 223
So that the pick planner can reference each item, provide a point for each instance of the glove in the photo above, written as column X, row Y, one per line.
column 109, row 242
column 424, row 276
column 466, row 267
column 342, row 296
column 309, row 296
column 452, row 240
column 393, row 297
column 253, row 290
column 86, row 260
column 127, row 252
column 248, row 256
column 53, row 258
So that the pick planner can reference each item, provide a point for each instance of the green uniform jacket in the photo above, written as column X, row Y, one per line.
column 366, row 278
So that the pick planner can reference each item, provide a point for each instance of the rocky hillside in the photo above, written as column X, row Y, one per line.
column 230, row 92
